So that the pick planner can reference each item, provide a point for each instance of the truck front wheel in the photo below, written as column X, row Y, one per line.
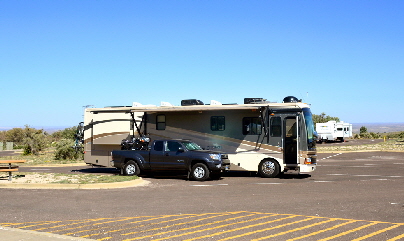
column 131, row 168
column 199, row 172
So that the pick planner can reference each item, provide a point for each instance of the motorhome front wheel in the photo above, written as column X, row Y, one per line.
column 268, row 168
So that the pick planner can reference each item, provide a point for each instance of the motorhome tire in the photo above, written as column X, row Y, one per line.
column 131, row 168
column 268, row 168
column 199, row 172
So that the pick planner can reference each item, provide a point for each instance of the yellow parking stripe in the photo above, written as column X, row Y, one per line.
column 93, row 224
column 202, row 225
column 197, row 226
column 267, row 229
column 349, row 231
column 376, row 233
column 224, row 226
column 297, row 229
column 177, row 224
column 117, row 230
column 158, row 228
column 397, row 238
column 323, row 230
column 236, row 229
column 64, row 225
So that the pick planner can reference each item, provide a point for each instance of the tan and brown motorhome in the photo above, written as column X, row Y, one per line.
column 259, row 136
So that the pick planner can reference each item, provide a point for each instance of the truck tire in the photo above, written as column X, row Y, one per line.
column 199, row 172
column 131, row 168
column 268, row 168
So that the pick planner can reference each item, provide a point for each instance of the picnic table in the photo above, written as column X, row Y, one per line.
column 10, row 167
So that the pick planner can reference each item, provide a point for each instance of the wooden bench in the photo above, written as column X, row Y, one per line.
column 10, row 168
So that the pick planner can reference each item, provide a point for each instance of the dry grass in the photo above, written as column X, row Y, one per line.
column 44, row 158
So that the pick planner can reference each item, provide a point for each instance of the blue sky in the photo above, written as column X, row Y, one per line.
column 345, row 58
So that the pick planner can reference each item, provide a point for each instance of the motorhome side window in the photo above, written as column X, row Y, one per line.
column 276, row 127
column 217, row 123
column 252, row 126
column 161, row 122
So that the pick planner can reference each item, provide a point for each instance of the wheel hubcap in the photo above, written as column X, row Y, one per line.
column 199, row 172
column 268, row 167
column 130, row 169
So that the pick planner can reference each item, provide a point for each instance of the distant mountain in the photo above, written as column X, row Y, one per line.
column 378, row 127
column 48, row 129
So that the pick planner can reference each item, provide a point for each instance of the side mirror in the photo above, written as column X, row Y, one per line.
column 180, row 149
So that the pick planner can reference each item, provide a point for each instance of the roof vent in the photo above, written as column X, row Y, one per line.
column 215, row 102
column 165, row 104
column 291, row 99
column 191, row 102
column 254, row 100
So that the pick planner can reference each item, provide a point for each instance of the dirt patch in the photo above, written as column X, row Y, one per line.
column 38, row 178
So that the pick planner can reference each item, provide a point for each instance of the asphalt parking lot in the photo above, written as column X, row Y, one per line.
column 350, row 196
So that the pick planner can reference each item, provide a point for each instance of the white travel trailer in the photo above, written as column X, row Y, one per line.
column 269, row 138
column 332, row 131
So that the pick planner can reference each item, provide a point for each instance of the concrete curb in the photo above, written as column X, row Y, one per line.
column 15, row 234
column 134, row 183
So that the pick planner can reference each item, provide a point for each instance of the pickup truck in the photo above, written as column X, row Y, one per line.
column 172, row 155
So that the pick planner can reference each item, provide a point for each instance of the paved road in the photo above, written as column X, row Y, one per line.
column 350, row 196
column 8, row 153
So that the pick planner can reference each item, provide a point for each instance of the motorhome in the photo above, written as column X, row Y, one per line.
column 259, row 136
column 332, row 131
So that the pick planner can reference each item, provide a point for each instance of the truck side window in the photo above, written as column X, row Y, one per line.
column 173, row 146
column 275, row 129
column 252, row 126
column 217, row 123
column 158, row 146
column 160, row 122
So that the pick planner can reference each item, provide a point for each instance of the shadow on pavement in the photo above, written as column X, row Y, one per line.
column 98, row 170
column 183, row 176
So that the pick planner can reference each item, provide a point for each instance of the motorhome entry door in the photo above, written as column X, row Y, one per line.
column 284, row 133
column 290, row 136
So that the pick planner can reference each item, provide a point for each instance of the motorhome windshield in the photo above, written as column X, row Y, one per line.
column 309, row 127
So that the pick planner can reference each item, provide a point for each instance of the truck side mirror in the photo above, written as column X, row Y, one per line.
column 180, row 149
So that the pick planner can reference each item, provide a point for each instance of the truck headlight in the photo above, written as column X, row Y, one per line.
column 215, row 157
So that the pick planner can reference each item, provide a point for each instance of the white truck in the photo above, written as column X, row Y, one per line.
column 332, row 131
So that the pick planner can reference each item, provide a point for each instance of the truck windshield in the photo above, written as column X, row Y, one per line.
column 191, row 146
column 311, row 142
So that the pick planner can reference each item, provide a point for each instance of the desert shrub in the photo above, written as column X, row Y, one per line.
column 65, row 151
column 395, row 135
column 34, row 141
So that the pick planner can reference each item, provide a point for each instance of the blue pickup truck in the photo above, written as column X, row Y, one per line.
column 172, row 155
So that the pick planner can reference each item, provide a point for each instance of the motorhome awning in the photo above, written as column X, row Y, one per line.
column 154, row 109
